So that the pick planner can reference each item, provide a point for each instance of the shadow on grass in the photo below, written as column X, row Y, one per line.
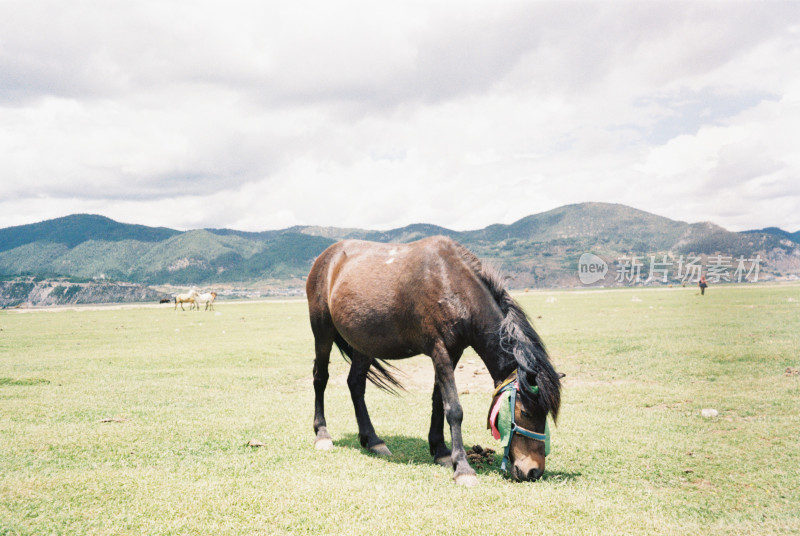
column 404, row 449
column 414, row 450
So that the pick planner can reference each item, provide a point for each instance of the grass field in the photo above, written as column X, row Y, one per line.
column 137, row 421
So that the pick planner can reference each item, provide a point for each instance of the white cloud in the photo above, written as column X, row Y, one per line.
column 364, row 114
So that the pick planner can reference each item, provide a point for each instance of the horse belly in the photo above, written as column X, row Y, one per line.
column 377, row 331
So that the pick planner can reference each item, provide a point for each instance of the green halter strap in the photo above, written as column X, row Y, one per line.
column 516, row 429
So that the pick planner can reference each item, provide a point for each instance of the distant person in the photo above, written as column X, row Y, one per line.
column 702, row 284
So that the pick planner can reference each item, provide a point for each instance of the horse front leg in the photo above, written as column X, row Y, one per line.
column 357, row 382
column 463, row 473
column 438, row 448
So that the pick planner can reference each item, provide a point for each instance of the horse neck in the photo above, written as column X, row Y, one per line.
column 486, row 342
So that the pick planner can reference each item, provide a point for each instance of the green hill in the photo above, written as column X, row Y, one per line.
column 597, row 221
column 540, row 250
column 79, row 228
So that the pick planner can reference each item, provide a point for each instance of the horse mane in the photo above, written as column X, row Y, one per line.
column 518, row 338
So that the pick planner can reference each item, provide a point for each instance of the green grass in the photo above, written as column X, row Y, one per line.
column 136, row 421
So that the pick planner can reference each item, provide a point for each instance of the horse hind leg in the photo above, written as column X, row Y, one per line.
column 438, row 447
column 357, row 382
column 322, row 349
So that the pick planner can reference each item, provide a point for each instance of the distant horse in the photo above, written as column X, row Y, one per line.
column 189, row 297
column 392, row 301
column 207, row 298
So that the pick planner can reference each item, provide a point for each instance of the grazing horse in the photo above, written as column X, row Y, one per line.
column 189, row 297
column 380, row 302
column 207, row 298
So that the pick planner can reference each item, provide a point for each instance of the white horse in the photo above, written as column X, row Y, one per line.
column 189, row 297
column 207, row 298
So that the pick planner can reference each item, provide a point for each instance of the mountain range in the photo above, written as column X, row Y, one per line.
column 541, row 250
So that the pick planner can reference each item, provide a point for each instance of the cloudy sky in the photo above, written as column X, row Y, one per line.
column 262, row 115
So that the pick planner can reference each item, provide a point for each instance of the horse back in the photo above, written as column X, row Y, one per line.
column 409, row 295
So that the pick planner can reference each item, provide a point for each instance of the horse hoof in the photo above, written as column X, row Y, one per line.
column 323, row 444
column 469, row 481
column 381, row 450
column 445, row 461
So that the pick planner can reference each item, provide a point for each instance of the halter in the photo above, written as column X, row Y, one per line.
column 512, row 385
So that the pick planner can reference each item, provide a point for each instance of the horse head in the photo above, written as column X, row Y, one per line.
column 518, row 420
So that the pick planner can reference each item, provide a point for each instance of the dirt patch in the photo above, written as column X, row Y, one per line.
column 791, row 372
column 575, row 381
column 134, row 305
column 666, row 406
column 93, row 307
column 417, row 374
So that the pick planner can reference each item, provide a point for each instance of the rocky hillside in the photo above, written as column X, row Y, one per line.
column 29, row 292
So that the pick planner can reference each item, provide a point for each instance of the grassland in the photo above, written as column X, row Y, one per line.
column 137, row 421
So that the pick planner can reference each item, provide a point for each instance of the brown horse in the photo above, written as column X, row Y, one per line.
column 392, row 301
column 188, row 297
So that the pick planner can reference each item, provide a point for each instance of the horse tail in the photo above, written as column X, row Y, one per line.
column 380, row 372
column 518, row 338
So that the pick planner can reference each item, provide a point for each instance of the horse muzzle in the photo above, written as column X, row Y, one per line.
column 526, row 474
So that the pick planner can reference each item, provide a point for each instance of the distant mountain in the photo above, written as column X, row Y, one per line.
column 597, row 221
column 408, row 233
column 79, row 228
column 794, row 237
column 541, row 250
